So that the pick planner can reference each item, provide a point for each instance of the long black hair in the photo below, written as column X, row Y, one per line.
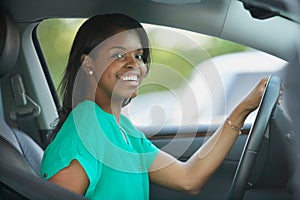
column 90, row 34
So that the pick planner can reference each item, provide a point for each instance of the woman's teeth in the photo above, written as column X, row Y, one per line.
column 129, row 78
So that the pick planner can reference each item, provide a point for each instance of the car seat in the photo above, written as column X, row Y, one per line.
column 20, row 155
column 9, row 50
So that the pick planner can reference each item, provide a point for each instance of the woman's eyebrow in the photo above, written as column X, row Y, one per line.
column 118, row 47
column 123, row 48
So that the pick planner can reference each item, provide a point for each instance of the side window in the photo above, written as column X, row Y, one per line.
column 193, row 78
column 55, row 37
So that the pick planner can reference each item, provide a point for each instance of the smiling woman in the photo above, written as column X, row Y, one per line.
column 174, row 138
column 103, row 74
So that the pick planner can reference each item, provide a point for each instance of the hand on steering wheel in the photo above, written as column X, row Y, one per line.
column 271, row 97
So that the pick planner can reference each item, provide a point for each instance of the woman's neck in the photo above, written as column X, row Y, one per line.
column 111, row 107
column 108, row 103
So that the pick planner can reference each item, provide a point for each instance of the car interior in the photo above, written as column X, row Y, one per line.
column 262, row 164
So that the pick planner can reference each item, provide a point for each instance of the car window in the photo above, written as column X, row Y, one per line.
column 207, row 76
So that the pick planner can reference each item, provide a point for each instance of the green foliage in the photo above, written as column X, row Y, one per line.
column 56, row 37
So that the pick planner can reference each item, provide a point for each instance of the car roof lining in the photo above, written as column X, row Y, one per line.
column 198, row 15
column 281, row 43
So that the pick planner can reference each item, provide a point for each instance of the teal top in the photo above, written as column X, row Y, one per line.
column 116, row 158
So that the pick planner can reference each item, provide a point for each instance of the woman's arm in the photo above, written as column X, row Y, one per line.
column 190, row 176
column 72, row 177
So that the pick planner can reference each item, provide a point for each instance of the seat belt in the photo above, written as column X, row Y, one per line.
column 24, row 109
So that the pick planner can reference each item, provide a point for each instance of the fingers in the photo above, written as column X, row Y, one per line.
column 253, row 98
column 264, row 82
column 262, row 86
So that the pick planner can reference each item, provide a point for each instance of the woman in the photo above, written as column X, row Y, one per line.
column 97, row 152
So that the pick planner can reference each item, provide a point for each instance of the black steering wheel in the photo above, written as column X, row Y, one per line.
column 255, row 137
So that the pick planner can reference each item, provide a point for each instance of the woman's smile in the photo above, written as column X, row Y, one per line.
column 131, row 78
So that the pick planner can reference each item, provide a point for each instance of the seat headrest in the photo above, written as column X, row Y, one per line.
column 9, row 43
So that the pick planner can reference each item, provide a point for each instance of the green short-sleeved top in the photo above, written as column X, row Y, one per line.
column 116, row 169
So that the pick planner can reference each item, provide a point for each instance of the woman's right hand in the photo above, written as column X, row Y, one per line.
column 252, row 100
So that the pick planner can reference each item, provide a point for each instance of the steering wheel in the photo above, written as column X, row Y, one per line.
column 255, row 137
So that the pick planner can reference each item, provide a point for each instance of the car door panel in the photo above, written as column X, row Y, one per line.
column 218, row 185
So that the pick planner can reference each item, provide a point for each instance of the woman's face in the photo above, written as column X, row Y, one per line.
column 119, row 66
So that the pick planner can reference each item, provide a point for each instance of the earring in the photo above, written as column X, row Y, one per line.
column 91, row 72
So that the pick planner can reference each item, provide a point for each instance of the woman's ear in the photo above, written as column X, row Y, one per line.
column 87, row 64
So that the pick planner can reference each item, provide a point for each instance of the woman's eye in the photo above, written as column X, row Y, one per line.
column 139, row 56
column 118, row 56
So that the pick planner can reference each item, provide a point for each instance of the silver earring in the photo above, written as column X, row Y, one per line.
column 91, row 72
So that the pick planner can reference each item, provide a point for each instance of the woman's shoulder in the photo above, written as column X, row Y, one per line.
column 130, row 127
column 91, row 108
column 77, row 119
column 87, row 111
column 125, row 121
column 83, row 106
column 80, row 129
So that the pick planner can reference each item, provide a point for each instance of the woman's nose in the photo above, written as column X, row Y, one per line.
column 133, row 62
